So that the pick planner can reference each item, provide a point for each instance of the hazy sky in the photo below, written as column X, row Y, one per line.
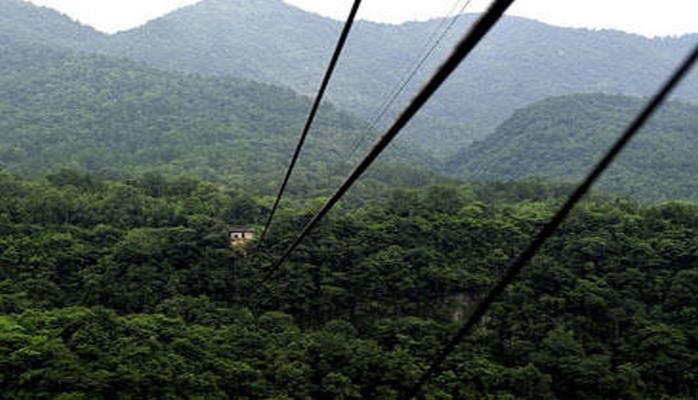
column 646, row 17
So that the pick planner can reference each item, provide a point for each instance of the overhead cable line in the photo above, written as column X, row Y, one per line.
column 313, row 111
column 412, row 72
column 549, row 229
column 462, row 50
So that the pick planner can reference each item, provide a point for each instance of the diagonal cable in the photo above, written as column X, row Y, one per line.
column 313, row 111
column 476, row 33
column 550, row 228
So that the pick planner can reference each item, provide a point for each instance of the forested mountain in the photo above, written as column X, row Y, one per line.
column 561, row 138
column 131, row 290
column 238, row 132
column 115, row 117
column 521, row 62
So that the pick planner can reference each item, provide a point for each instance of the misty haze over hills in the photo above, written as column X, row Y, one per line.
column 521, row 62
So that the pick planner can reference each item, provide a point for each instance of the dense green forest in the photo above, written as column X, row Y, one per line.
column 95, row 113
column 521, row 62
column 130, row 289
column 561, row 138
column 125, row 159
column 116, row 118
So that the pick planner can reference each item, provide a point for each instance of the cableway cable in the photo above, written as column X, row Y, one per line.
column 549, row 229
column 476, row 33
column 313, row 111
column 412, row 72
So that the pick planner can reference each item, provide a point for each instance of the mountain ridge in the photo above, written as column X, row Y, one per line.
column 119, row 118
column 521, row 62
column 501, row 75
column 21, row 20
column 561, row 138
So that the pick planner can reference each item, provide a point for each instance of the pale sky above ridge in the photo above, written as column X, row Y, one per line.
column 645, row 17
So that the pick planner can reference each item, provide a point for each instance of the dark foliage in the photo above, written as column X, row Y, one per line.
column 131, row 290
column 117, row 118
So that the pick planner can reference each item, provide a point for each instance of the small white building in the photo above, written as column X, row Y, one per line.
column 240, row 235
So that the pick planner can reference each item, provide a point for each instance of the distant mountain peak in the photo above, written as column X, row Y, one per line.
column 27, row 22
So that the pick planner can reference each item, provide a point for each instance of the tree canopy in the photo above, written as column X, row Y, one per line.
column 561, row 138
column 123, row 289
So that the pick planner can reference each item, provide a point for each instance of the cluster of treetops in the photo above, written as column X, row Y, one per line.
column 131, row 289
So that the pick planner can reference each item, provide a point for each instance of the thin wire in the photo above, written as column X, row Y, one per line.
column 313, row 111
column 550, row 228
column 462, row 50
column 416, row 66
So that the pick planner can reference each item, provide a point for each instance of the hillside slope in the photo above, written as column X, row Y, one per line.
column 91, row 112
column 521, row 62
column 560, row 138
column 23, row 21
